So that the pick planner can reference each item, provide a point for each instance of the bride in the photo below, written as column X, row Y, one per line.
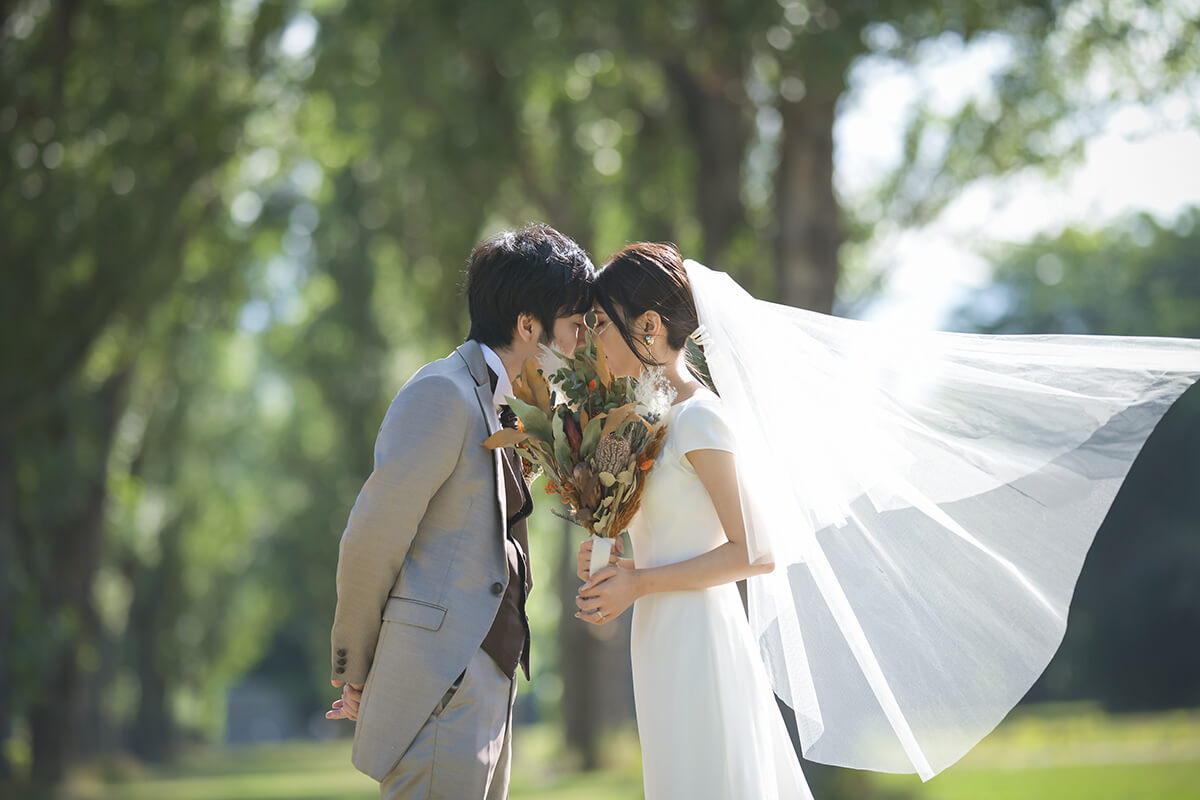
column 707, row 718
column 911, row 511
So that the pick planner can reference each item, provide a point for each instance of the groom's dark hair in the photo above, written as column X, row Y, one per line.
column 534, row 270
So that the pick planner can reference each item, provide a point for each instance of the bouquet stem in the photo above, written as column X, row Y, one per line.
column 601, row 550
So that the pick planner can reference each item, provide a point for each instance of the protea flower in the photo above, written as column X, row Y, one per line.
column 612, row 453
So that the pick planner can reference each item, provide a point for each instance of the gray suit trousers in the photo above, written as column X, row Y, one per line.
column 464, row 750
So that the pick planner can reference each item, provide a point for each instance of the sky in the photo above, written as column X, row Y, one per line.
column 1143, row 160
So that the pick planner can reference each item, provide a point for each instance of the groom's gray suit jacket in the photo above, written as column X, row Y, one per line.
column 422, row 569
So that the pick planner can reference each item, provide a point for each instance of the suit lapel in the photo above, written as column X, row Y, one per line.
column 470, row 353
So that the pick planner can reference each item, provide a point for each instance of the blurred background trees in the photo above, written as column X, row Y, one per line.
column 232, row 230
column 123, row 125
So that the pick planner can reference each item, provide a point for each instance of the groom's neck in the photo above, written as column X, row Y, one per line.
column 511, row 360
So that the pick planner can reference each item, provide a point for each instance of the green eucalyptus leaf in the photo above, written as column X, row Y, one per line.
column 562, row 449
column 591, row 435
column 532, row 418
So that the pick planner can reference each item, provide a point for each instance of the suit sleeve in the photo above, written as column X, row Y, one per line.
column 417, row 449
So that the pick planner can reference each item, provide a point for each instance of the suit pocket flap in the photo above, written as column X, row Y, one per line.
column 413, row 612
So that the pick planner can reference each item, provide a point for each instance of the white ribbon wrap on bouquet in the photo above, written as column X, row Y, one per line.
column 928, row 499
column 601, row 552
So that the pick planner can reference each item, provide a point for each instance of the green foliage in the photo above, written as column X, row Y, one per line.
column 1068, row 68
column 126, row 124
column 1139, row 278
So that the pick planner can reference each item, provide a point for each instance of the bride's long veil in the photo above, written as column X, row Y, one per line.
column 928, row 499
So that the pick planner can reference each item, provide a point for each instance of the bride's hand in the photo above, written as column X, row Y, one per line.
column 584, row 556
column 606, row 596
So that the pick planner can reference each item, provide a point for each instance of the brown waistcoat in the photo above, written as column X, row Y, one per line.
column 507, row 642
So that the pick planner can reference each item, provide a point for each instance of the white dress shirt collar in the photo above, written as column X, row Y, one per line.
column 504, row 388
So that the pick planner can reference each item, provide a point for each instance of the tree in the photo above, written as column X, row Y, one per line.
column 117, row 171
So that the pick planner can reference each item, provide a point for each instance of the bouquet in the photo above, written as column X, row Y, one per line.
column 597, row 444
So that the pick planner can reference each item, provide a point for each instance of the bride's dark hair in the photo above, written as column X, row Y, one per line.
column 649, row 276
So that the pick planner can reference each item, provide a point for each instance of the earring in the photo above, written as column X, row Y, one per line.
column 649, row 339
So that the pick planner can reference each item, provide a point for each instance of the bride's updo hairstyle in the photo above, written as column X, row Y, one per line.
column 649, row 276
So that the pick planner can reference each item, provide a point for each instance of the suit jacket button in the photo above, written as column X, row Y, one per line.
column 341, row 662
column 497, row 588
column 342, row 651
column 340, row 670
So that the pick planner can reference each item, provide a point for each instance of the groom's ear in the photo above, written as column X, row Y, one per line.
column 528, row 330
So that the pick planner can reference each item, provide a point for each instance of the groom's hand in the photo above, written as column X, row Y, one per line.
column 347, row 706
column 584, row 556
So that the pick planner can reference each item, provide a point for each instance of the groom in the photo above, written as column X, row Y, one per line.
column 433, row 569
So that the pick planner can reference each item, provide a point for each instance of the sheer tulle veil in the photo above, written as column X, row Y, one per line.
column 928, row 499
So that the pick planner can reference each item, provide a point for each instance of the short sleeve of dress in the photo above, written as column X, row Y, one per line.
column 701, row 426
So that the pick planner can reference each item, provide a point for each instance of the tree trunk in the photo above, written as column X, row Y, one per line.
column 577, row 654
column 807, row 215
column 50, row 721
column 153, row 735
column 715, row 110
column 594, row 664
column 74, row 537
column 99, row 734
column 155, row 611
column 7, row 555
column 806, row 249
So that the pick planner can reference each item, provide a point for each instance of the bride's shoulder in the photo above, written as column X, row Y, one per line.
column 699, row 393
column 700, row 423
column 701, row 397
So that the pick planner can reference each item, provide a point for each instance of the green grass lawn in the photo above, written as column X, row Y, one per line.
column 322, row 771
column 1062, row 753
column 1072, row 753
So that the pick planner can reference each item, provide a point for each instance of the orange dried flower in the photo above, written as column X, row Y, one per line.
column 592, row 384
column 550, row 487
column 646, row 464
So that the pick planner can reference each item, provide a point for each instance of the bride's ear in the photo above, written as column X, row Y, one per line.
column 649, row 324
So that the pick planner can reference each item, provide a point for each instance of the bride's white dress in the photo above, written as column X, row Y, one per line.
column 706, row 714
